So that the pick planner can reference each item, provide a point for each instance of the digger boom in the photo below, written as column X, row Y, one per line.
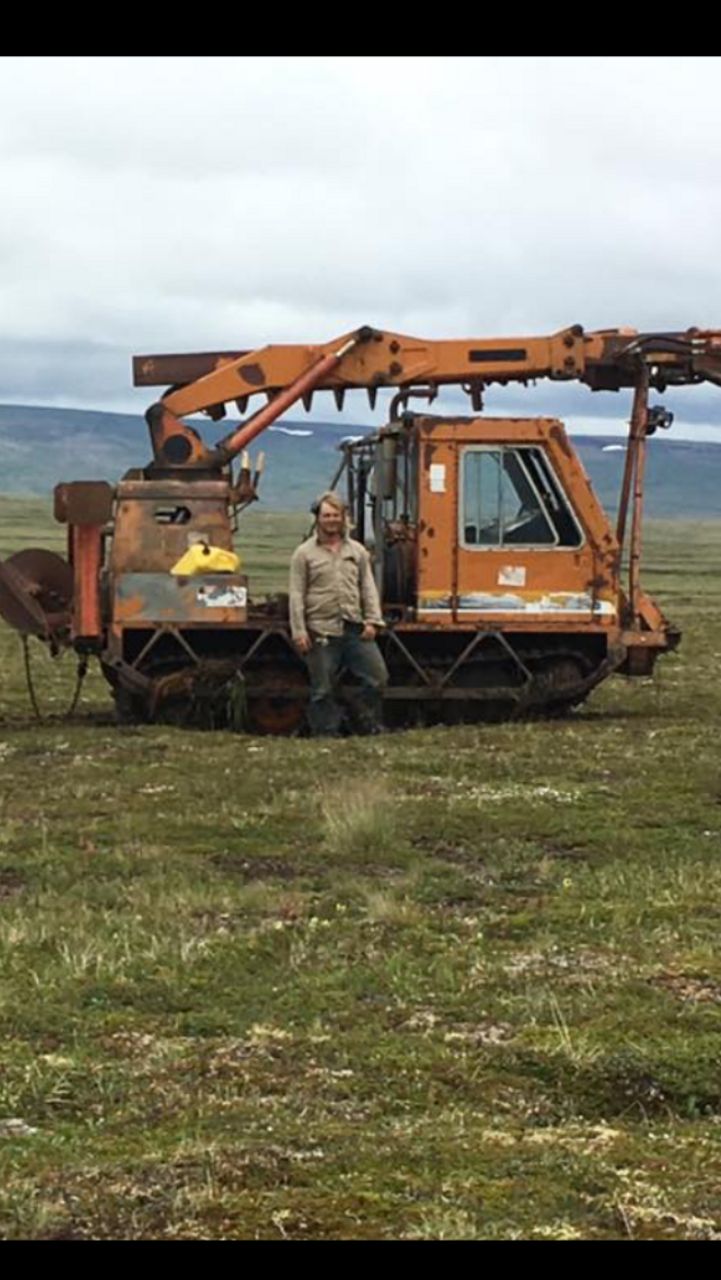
column 606, row 359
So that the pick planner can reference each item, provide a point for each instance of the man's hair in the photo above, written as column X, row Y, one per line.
column 332, row 499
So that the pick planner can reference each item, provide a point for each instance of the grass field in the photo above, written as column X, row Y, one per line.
column 449, row 983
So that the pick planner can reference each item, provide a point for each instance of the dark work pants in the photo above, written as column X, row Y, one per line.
column 362, row 658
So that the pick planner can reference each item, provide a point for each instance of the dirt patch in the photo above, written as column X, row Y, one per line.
column 247, row 869
column 569, row 852
column 374, row 873
column 11, row 883
column 459, row 854
column 689, row 987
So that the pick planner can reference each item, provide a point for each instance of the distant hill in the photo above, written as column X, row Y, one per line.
column 40, row 446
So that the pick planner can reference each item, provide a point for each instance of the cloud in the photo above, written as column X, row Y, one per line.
column 193, row 203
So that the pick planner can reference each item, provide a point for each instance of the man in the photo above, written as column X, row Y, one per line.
column 334, row 616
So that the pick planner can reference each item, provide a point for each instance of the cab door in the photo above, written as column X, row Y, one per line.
column 500, row 539
column 522, row 551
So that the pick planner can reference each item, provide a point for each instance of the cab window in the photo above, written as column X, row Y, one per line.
column 510, row 497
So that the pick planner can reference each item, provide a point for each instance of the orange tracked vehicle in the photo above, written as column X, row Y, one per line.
column 499, row 573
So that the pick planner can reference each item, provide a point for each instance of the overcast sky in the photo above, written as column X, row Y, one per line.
column 191, row 204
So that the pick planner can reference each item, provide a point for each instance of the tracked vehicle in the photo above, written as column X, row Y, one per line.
column 499, row 573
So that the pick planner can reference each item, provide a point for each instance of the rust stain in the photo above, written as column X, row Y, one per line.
column 253, row 374
column 83, row 502
column 128, row 607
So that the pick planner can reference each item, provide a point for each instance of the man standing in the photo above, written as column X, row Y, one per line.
column 334, row 616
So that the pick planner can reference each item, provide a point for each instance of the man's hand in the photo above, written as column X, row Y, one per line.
column 368, row 632
column 303, row 643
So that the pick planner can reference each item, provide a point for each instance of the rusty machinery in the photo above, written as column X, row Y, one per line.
column 500, row 575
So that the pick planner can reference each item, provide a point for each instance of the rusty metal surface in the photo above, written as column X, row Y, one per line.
column 277, row 697
column 36, row 591
column 208, row 599
column 167, row 370
column 175, row 443
column 87, row 559
column 18, row 606
column 215, row 693
column 162, row 490
column 206, row 695
column 149, row 539
column 634, row 570
column 83, row 502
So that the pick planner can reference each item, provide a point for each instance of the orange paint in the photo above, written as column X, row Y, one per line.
column 87, row 559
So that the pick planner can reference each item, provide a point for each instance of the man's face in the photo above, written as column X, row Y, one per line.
column 330, row 520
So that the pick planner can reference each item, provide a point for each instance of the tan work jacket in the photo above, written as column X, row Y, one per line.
column 328, row 588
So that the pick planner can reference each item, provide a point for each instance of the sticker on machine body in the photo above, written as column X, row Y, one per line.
column 512, row 575
column 437, row 477
column 222, row 597
column 568, row 602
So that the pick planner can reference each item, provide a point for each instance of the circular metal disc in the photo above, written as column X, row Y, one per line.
column 36, row 591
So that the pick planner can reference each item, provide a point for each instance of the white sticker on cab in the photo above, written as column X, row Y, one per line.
column 438, row 477
column 512, row 575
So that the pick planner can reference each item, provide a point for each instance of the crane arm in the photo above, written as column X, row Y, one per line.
column 606, row 359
